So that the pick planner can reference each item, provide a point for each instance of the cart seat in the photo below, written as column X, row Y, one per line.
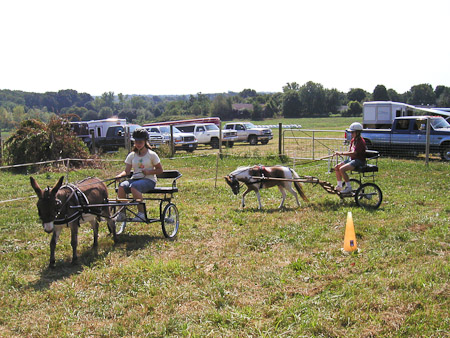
column 368, row 168
column 162, row 190
column 166, row 174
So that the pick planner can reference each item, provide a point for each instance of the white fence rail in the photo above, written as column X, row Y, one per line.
column 310, row 144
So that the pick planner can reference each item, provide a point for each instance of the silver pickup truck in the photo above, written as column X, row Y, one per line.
column 408, row 134
column 248, row 132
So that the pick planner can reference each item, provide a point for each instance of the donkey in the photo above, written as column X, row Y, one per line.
column 259, row 177
column 54, row 207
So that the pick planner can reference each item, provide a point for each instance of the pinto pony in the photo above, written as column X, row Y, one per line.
column 259, row 177
column 54, row 207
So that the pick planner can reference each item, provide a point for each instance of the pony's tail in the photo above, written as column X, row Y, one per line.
column 299, row 186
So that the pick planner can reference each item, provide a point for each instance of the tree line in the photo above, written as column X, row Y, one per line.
column 308, row 100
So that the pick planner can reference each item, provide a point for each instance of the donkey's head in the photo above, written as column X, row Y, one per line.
column 48, row 205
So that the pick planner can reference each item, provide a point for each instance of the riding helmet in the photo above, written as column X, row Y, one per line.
column 140, row 134
column 355, row 126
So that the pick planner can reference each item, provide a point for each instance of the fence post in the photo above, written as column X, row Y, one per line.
column 220, row 140
column 128, row 138
column 94, row 147
column 280, row 139
column 172, row 142
column 427, row 145
column 1, row 149
column 313, row 144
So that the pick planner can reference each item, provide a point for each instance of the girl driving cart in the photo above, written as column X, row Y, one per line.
column 357, row 158
column 145, row 165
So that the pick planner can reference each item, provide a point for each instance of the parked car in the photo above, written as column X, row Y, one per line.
column 208, row 133
column 182, row 141
column 408, row 134
column 248, row 132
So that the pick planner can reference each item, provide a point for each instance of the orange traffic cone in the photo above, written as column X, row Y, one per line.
column 350, row 237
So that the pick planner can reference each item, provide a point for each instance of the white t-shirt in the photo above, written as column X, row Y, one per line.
column 139, row 163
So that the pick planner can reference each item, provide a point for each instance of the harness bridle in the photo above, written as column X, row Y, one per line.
column 80, row 199
column 236, row 182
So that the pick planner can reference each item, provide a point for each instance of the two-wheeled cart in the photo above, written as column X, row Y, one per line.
column 367, row 195
column 168, row 212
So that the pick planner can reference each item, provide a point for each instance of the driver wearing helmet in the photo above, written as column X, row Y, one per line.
column 146, row 165
column 357, row 158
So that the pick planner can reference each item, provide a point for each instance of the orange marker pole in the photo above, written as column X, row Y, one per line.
column 350, row 237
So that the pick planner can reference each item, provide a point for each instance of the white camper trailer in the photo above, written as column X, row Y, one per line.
column 380, row 114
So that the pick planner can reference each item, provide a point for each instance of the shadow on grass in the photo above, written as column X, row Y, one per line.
column 266, row 210
column 64, row 269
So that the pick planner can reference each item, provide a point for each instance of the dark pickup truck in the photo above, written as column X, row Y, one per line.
column 409, row 135
column 115, row 138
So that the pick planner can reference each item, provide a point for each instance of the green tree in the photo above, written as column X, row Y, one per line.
column 380, row 93
column 422, row 94
column 291, row 104
column 394, row 96
column 444, row 98
column 221, row 107
column 313, row 101
column 354, row 109
column 105, row 112
column 108, row 99
column 357, row 94
column 439, row 90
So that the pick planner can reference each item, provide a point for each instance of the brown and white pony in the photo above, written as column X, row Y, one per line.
column 55, row 207
column 259, row 177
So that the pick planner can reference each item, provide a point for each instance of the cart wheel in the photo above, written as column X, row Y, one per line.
column 355, row 184
column 368, row 196
column 170, row 221
column 121, row 228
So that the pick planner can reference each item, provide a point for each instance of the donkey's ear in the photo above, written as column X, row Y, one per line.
column 57, row 185
column 36, row 187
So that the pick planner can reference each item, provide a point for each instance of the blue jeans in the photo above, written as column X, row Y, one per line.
column 143, row 185
column 355, row 163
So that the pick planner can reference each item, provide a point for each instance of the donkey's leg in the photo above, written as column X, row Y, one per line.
column 283, row 196
column 293, row 192
column 53, row 241
column 94, row 224
column 111, row 223
column 74, row 240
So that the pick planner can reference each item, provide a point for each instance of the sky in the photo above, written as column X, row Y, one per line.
column 167, row 47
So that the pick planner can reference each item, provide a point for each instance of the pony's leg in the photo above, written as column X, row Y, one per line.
column 243, row 197
column 53, row 241
column 258, row 196
column 293, row 192
column 74, row 240
column 283, row 196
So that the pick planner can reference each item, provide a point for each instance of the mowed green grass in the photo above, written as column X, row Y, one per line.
column 236, row 272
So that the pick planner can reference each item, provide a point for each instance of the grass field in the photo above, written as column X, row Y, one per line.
column 234, row 272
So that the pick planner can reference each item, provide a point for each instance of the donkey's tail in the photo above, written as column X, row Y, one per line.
column 299, row 186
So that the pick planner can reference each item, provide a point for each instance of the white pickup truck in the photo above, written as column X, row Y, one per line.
column 248, row 132
column 182, row 141
column 208, row 133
